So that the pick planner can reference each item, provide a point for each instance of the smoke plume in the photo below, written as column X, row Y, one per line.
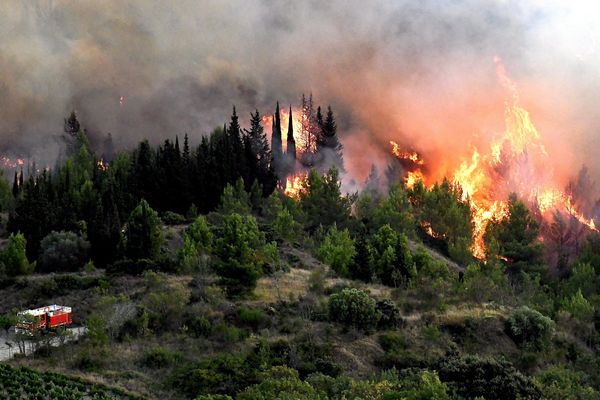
column 420, row 73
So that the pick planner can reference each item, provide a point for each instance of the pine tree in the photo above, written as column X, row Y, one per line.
column 260, row 163
column 320, row 139
column 236, row 154
column 143, row 236
column 186, row 151
column 331, row 145
column 72, row 125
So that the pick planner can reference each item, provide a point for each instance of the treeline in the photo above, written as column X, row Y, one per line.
column 94, row 196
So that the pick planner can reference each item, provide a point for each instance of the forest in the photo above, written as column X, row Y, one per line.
column 197, row 277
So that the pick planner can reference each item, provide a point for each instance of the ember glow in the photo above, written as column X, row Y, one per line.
column 11, row 163
column 515, row 162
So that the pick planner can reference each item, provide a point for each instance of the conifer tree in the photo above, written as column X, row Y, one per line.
column 261, row 162
column 330, row 143
column 308, row 131
column 15, row 186
column 276, row 143
column 291, row 145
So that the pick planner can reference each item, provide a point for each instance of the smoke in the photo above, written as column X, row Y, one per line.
column 420, row 73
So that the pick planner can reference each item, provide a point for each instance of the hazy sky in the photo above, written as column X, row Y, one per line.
column 419, row 72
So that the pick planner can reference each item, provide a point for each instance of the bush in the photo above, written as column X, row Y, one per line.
column 199, row 326
column 353, row 307
column 558, row 383
column 63, row 251
column 13, row 256
column 393, row 343
column 472, row 377
column 172, row 218
column 337, row 250
column 223, row 374
column 199, row 232
column 160, row 357
column 389, row 314
column 578, row 307
column 251, row 317
column 528, row 327
column 280, row 387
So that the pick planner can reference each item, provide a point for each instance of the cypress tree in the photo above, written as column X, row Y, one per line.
column 276, row 143
column 15, row 187
column 291, row 145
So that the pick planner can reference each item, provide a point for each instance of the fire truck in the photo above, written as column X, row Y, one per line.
column 43, row 319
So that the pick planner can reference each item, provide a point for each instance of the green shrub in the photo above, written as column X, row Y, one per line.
column 252, row 317
column 472, row 376
column 389, row 314
column 199, row 326
column 528, row 327
column 200, row 233
column 63, row 251
column 558, row 383
column 230, row 334
column 223, row 374
column 172, row 218
column 13, row 258
column 353, row 307
column 160, row 357
column 578, row 306
column 392, row 342
column 337, row 250
column 290, row 387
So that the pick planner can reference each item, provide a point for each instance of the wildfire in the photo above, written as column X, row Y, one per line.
column 285, row 118
column 102, row 165
column 516, row 162
column 412, row 177
column 293, row 185
column 11, row 163
column 406, row 155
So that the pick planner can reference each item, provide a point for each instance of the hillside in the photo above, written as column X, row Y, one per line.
column 285, row 322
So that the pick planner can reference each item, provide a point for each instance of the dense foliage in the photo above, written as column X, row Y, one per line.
column 197, row 277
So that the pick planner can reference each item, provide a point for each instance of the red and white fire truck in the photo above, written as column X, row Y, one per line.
column 43, row 319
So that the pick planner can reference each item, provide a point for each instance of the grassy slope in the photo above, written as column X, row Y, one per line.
column 430, row 328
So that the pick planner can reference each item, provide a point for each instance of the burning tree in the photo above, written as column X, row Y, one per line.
column 516, row 162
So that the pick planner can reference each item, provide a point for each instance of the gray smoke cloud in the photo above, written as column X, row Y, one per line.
column 418, row 72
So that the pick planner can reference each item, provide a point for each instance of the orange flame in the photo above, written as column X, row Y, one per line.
column 293, row 185
column 406, row 155
column 516, row 162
